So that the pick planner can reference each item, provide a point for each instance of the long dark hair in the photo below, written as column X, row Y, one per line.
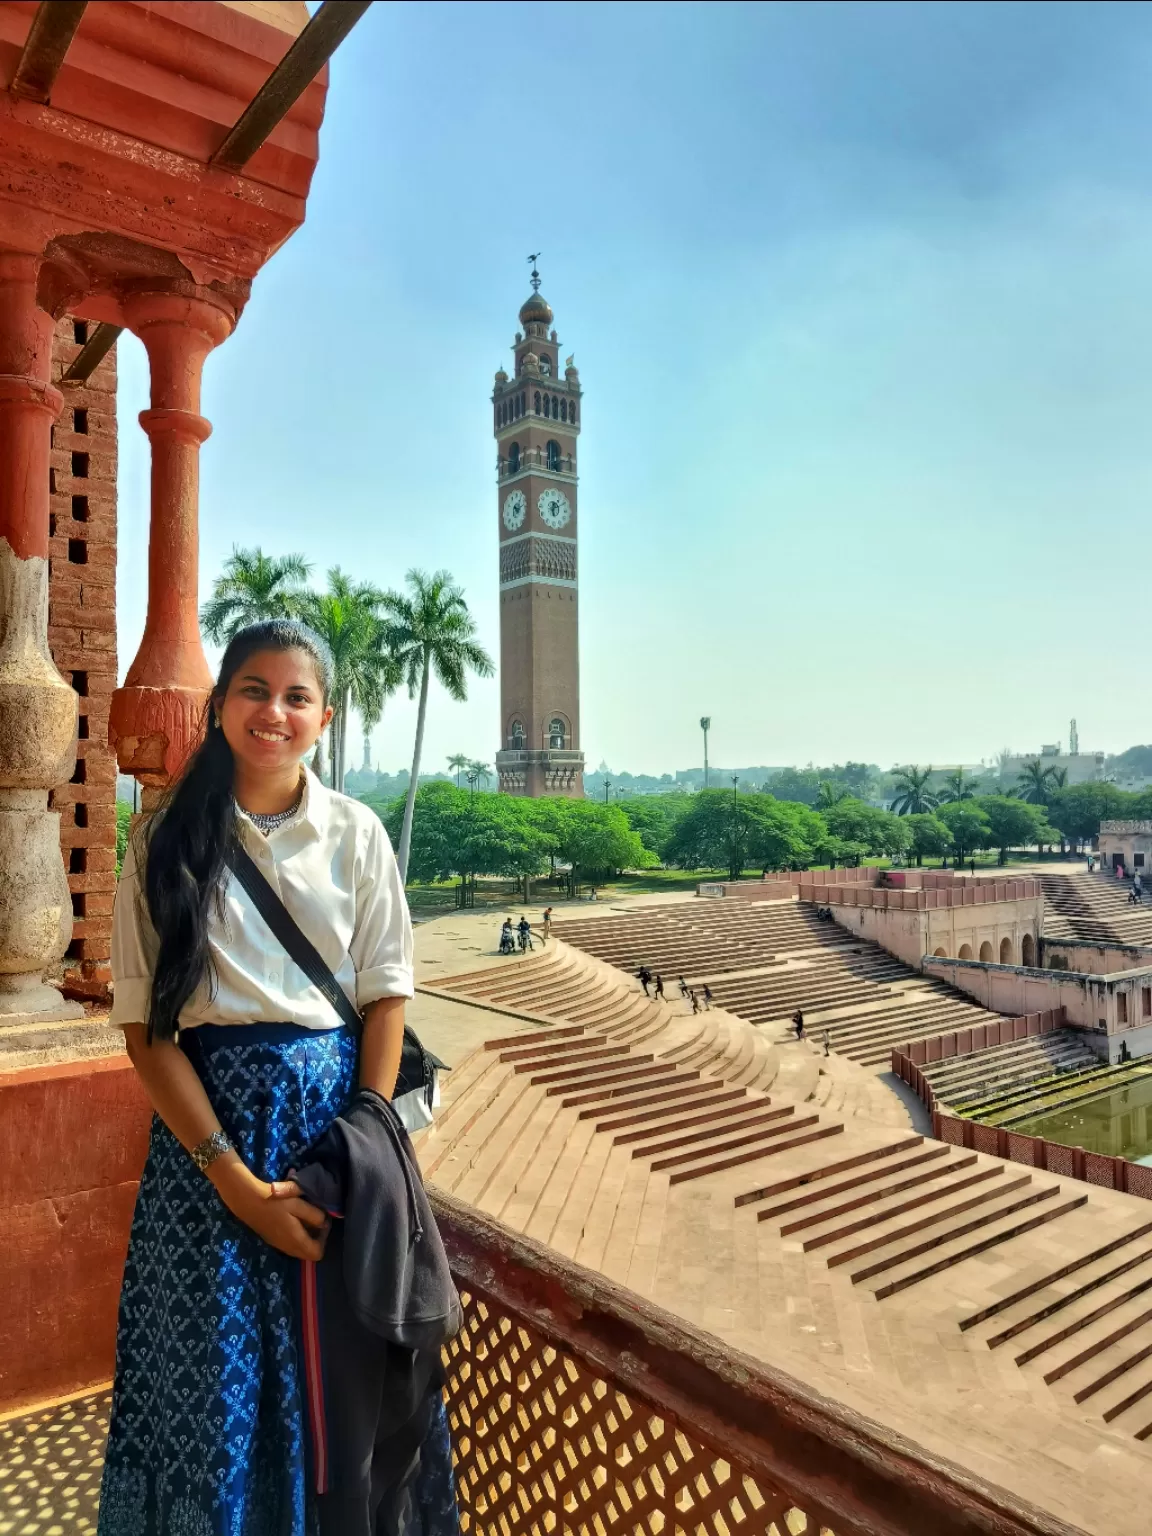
column 186, row 842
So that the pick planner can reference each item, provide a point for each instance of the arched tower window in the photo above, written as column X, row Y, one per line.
column 536, row 401
column 572, row 410
column 523, row 403
column 547, row 405
column 553, row 455
column 563, row 410
column 513, row 458
column 516, row 736
column 556, row 734
column 545, row 365
column 555, row 408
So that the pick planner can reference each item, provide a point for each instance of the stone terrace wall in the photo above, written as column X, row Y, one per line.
column 82, row 636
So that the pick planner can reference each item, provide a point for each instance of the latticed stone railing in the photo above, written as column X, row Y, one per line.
column 578, row 1407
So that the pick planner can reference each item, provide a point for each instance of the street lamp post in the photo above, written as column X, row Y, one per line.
column 735, row 826
column 705, row 725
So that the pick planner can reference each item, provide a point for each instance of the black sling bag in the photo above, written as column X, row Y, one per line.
column 418, row 1067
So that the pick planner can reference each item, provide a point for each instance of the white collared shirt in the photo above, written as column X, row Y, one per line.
column 333, row 868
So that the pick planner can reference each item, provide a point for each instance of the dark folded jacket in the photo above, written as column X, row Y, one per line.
column 375, row 1311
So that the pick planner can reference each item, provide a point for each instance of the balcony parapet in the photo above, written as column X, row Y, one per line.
column 576, row 1405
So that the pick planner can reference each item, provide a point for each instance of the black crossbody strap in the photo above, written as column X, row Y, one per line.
column 291, row 936
column 418, row 1067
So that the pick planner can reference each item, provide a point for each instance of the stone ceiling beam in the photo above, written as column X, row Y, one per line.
column 52, row 30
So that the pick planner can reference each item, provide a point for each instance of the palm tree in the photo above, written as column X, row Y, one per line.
column 1033, row 782
column 830, row 794
column 430, row 630
column 913, row 797
column 457, row 764
column 955, row 787
column 348, row 617
column 254, row 586
column 480, row 771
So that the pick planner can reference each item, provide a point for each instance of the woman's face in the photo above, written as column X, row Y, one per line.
column 274, row 710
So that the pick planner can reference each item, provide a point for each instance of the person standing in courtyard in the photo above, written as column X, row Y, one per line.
column 707, row 997
column 694, row 1000
column 659, row 989
column 798, row 1024
column 547, row 930
column 247, row 1064
column 644, row 976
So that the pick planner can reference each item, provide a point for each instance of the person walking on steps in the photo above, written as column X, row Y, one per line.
column 685, row 990
column 798, row 1024
column 707, row 997
column 695, row 1001
column 247, row 1064
column 644, row 975
column 659, row 988
column 827, row 1044
column 547, row 924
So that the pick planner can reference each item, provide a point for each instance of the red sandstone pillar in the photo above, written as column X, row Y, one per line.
column 37, row 707
column 155, row 717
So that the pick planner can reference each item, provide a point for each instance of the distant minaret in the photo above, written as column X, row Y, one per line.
column 367, row 768
column 1073, row 741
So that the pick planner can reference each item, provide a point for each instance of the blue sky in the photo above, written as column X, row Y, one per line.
column 859, row 294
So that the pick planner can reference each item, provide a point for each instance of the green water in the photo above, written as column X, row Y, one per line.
column 1118, row 1123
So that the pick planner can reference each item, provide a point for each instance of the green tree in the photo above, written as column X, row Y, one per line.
column 877, row 831
column 725, row 830
column 830, row 793
column 799, row 784
column 123, row 832
column 595, row 840
column 969, row 826
column 655, row 818
column 1013, row 823
column 457, row 764
column 1034, row 782
column 478, row 773
column 252, row 587
column 784, row 834
column 913, row 797
column 955, row 787
column 930, row 835
column 431, row 631
column 1078, row 809
column 364, row 671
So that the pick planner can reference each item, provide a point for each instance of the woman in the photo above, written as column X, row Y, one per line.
column 246, row 1064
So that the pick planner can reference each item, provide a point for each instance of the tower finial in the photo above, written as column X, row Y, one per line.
column 534, row 258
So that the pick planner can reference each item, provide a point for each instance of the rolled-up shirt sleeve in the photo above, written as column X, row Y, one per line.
column 133, row 949
column 381, row 947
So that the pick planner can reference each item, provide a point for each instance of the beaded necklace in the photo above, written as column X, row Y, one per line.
column 268, row 821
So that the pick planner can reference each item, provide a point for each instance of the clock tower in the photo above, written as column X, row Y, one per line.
column 536, row 422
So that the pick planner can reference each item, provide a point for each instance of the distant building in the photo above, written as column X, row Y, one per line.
column 1080, row 767
column 1127, row 844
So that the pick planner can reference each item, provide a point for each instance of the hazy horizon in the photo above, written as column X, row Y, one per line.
column 857, row 293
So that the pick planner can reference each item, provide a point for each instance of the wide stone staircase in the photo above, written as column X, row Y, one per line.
column 764, row 960
column 1094, row 907
column 1004, row 1072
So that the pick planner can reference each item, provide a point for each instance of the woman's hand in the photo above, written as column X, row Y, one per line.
column 276, row 1212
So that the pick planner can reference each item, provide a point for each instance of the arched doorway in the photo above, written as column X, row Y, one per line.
column 965, row 952
column 1027, row 950
column 940, row 954
column 1005, row 951
column 986, row 951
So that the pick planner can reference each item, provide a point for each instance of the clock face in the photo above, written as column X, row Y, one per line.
column 553, row 507
column 515, row 510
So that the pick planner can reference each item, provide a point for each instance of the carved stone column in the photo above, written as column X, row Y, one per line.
column 38, row 709
column 155, row 717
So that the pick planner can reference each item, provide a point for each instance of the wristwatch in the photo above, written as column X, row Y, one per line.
column 207, row 1151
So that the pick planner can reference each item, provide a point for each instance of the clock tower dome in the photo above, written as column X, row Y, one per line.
column 536, row 422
